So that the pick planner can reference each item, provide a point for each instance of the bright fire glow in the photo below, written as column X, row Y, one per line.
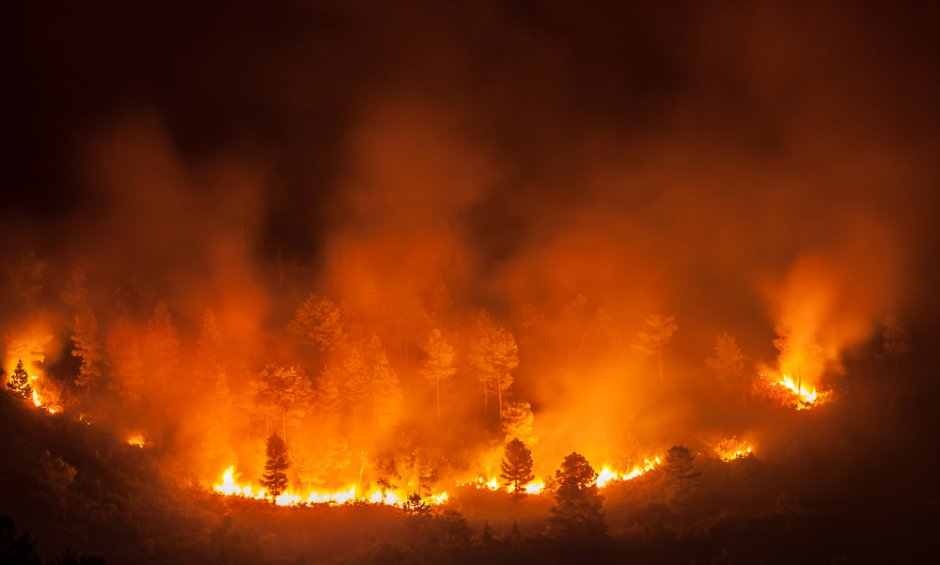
column 230, row 487
column 804, row 397
column 607, row 475
column 535, row 487
column 731, row 449
column 137, row 440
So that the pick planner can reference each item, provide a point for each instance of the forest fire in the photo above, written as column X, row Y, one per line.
column 608, row 475
column 230, row 487
column 799, row 396
column 332, row 283
column 137, row 440
column 731, row 449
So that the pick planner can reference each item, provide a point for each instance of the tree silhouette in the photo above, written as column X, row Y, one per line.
column 578, row 508
column 274, row 478
column 516, row 466
column 655, row 338
column 19, row 381
column 493, row 357
column 439, row 367
column 680, row 475
column 285, row 390
column 728, row 362
column 84, row 332
column 320, row 321
column 518, row 421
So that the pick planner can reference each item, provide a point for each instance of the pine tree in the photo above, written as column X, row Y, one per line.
column 578, row 508
column 286, row 391
column 439, row 367
column 320, row 321
column 19, row 381
column 728, row 362
column 494, row 356
column 655, row 339
column 84, row 331
column 274, row 478
column 516, row 466
column 518, row 422
column 163, row 346
column 680, row 478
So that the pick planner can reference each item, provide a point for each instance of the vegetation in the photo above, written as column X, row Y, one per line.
column 275, row 476
column 578, row 510
column 19, row 381
column 516, row 468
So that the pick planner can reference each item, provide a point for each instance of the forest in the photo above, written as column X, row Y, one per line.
column 469, row 282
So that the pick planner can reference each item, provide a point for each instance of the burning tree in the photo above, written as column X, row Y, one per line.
column 654, row 340
column 578, row 509
column 19, row 382
column 274, row 478
column 494, row 356
column 516, row 466
column 439, row 367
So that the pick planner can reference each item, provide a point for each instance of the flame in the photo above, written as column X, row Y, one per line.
column 36, row 400
column 137, row 440
column 730, row 449
column 607, row 475
column 800, row 397
column 230, row 487
column 535, row 487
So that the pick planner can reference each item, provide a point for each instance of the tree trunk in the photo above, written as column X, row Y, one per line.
column 438, row 399
column 499, row 396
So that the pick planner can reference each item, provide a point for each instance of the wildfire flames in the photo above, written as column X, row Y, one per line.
column 607, row 475
column 731, row 449
column 229, row 487
column 799, row 396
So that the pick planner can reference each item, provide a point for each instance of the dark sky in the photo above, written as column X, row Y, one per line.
column 548, row 89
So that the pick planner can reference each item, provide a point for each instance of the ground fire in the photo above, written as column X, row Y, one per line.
column 470, row 282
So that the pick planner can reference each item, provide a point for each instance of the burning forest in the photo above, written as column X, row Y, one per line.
column 483, row 282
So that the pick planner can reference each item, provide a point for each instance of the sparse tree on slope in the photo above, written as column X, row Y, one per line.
column 654, row 340
column 19, row 382
column 84, row 332
column 578, row 509
column 516, row 466
column 493, row 357
column 728, row 362
column 274, row 478
column 439, row 367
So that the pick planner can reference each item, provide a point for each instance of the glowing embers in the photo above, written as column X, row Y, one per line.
column 608, row 475
column 796, row 395
column 732, row 448
column 137, row 440
column 350, row 495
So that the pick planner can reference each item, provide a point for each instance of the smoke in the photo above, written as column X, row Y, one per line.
column 755, row 171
